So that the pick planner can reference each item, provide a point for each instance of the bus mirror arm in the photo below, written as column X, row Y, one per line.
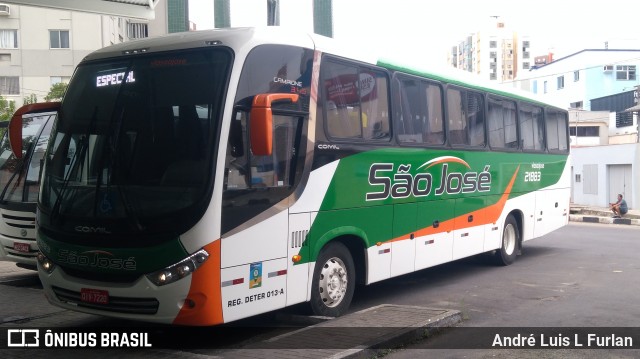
column 261, row 126
column 15, row 124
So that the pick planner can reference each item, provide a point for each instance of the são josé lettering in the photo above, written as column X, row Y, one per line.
column 403, row 184
column 559, row 340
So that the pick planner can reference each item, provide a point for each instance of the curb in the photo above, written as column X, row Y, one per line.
column 369, row 333
column 603, row 220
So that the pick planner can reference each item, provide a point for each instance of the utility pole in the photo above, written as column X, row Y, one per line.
column 273, row 12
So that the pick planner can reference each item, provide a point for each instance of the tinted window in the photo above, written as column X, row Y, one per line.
column 355, row 102
column 531, row 127
column 419, row 117
column 466, row 117
column 501, row 122
column 557, row 130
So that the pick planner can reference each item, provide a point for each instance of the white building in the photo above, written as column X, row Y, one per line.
column 496, row 53
column 40, row 46
column 604, row 142
column 583, row 76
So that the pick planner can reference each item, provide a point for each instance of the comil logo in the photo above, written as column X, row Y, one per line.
column 401, row 183
column 22, row 338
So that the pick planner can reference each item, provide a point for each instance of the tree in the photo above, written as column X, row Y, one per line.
column 30, row 99
column 7, row 108
column 56, row 92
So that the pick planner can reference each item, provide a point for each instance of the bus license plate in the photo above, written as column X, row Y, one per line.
column 21, row 247
column 95, row 296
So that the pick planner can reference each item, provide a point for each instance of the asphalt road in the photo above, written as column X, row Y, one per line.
column 584, row 275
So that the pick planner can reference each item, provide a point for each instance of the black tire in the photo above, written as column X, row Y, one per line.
column 333, row 281
column 510, row 241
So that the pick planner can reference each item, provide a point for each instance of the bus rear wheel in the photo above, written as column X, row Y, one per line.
column 333, row 281
column 509, row 244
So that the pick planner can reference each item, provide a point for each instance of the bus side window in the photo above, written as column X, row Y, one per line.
column 466, row 117
column 531, row 127
column 434, row 126
column 374, row 103
column 276, row 170
column 501, row 122
column 556, row 131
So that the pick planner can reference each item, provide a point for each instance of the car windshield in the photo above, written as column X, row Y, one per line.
column 135, row 138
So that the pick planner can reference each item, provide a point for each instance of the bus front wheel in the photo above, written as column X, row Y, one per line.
column 508, row 250
column 333, row 281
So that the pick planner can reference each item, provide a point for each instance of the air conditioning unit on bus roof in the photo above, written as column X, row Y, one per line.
column 607, row 68
column 5, row 10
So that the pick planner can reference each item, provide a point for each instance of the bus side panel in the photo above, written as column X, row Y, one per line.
column 379, row 262
column 434, row 243
column 253, row 288
column 263, row 241
column 298, row 274
column 468, row 236
column 552, row 210
column 403, row 251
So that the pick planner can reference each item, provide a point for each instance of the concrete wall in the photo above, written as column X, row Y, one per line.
column 602, row 157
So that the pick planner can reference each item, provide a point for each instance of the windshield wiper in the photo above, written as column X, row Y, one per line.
column 112, row 141
column 77, row 158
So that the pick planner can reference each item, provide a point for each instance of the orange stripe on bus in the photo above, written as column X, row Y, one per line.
column 491, row 215
column 205, row 293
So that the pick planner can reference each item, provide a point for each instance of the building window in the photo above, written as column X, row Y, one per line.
column 576, row 76
column 493, row 44
column 9, row 39
column 585, row 131
column 526, row 55
column 560, row 82
column 525, row 44
column 625, row 72
column 544, row 85
column 9, row 85
column 624, row 119
column 137, row 30
column 59, row 39
column 526, row 65
column 57, row 79
column 576, row 104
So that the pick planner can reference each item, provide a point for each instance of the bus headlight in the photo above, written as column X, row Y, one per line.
column 179, row 270
column 45, row 263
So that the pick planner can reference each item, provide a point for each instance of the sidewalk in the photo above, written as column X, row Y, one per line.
column 583, row 213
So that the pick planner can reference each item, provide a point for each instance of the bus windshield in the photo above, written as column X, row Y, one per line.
column 134, row 141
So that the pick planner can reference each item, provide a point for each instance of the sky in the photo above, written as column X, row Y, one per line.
column 428, row 28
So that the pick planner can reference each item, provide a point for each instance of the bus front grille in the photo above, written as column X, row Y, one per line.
column 27, row 221
column 116, row 304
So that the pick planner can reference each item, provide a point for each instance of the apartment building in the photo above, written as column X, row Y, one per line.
column 495, row 53
column 42, row 46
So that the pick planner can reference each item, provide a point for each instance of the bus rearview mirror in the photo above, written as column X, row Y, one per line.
column 261, row 125
column 15, row 125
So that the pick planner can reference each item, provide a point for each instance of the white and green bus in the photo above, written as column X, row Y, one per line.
column 205, row 177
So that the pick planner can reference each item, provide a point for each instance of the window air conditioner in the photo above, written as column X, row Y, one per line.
column 5, row 10
column 607, row 68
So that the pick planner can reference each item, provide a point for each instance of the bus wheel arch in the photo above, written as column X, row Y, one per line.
column 510, row 240
column 338, row 268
